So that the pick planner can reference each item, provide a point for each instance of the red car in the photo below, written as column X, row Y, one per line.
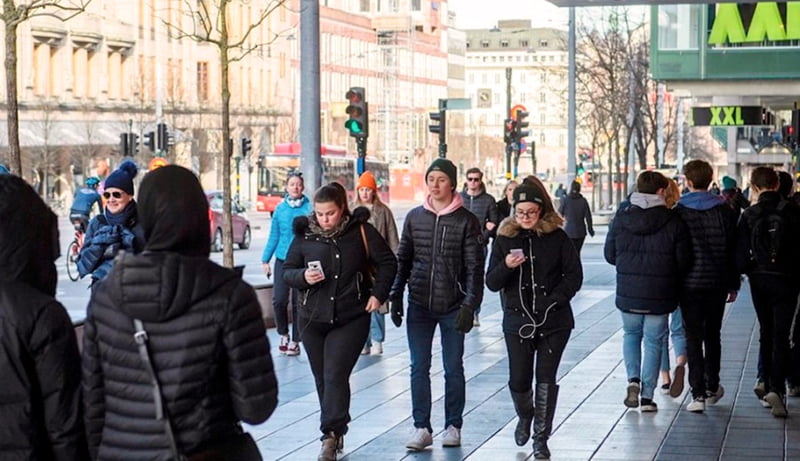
column 241, row 225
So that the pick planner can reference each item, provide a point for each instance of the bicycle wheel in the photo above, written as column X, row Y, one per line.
column 72, row 261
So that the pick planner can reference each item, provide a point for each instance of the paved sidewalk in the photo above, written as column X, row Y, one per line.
column 591, row 421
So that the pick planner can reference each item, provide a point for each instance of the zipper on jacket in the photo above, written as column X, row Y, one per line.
column 444, row 237
column 433, row 263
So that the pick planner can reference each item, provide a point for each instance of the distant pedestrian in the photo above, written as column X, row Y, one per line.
column 441, row 259
column 650, row 246
column 505, row 205
column 767, row 251
column 711, row 281
column 332, row 261
column 382, row 219
column 196, row 326
column 294, row 204
column 39, row 361
column 83, row 203
column 578, row 216
column 537, row 271
column 715, row 189
column 560, row 192
column 733, row 195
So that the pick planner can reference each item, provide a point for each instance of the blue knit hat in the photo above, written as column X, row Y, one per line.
column 122, row 177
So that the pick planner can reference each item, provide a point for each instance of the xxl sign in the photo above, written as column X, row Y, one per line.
column 727, row 116
column 772, row 21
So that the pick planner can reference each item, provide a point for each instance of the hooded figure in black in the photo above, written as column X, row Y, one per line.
column 206, row 336
column 39, row 359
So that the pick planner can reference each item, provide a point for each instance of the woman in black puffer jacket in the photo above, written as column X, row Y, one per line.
column 537, row 270
column 206, row 337
column 329, row 262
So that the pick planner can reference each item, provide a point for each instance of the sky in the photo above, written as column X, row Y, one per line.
column 483, row 14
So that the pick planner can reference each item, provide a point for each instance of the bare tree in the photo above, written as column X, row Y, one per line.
column 15, row 13
column 208, row 23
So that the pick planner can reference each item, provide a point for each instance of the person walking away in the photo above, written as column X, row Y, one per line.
column 733, row 195
column 484, row 207
column 768, row 253
column 712, row 281
column 83, row 203
column 537, row 271
column 202, row 325
column 330, row 261
column 441, row 259
column 117, row 229
column 281, row 235
column 39, row 358
column 575, row 210
column 650, row 247
column 382, row 220
column 505, row 205
column 786, row 191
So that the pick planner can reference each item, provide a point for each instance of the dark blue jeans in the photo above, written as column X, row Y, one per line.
column 280, row 301
column 420, row 326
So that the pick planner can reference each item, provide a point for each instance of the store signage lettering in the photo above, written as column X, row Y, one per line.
column 727, row 116
column 766, row 23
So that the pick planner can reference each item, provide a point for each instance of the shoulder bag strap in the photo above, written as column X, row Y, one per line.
column 364, row 239
column 141, row 338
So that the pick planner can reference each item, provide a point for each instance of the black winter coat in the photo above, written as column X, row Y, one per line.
column 342, row 296
column 745, row 263
column 551, row 274
column 441, row 258
column 652, row 250
column 713, row 234
column 575, row 210
column 484, row 207
column 208, row 346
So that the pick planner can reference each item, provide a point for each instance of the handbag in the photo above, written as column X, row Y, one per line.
column 240, row 446
column 384, row 309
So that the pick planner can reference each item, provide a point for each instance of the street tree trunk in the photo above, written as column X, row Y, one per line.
column 12, row 116
column 227, row 221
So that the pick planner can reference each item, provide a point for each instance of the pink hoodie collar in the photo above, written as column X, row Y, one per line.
column 453, row 206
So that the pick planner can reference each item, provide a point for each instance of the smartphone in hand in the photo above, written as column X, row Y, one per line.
column 517, row 252
column 317, row 267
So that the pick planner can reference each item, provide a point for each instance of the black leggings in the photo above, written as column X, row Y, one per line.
column 546, row 350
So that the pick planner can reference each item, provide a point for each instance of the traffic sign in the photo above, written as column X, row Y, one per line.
column 512, row 113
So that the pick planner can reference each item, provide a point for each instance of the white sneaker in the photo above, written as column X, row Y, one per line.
column 292, row 349
column 376, row 349
column 365, row 350
column 713, row 397
column 420, row 440
column 476, row 321
column 452, row 437
column 697, row 405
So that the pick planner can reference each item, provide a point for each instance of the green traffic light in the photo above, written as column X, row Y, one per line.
column 354, row 126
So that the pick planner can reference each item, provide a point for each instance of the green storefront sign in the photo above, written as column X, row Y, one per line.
column 727, row 116
column 767, row 23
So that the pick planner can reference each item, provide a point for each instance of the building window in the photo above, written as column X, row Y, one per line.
column 202, row 81
column 561, row 140
column 484, row 78
column 541, row 139
column 543, row 78
column 523, row 43
column 543, row 43
column 364, row 5
column 522, row 77
column 497, row 77
column 416, row 5
column 543, row 97
column 502, row 59
column 468, row 44
column 542, row 119
column 669, row 17
column 484, row 43
column 503, row 43
column 552, row 58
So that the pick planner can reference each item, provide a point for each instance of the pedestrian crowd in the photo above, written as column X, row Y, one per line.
column 175, row 356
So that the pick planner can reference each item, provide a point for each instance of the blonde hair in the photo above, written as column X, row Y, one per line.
column 376, row 199
column 672, row 194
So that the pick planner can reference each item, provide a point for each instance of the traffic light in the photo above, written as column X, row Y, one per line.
column 580, row 170
column 521, row 124
column 150, row 141
column 133, row 142
column 124, row 147
column 509, row 130
column 247, row 146
column 162, row 136
column 439, row 126
column 357, row 111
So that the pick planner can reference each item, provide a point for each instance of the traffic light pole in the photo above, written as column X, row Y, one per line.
column 310, row 140
column 509, row 147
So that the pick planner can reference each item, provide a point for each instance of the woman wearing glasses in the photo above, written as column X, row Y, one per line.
column 537, row 270
column 114, row 230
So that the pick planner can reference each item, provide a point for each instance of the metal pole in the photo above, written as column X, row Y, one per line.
column 310, row 158
column 509, row 148
column 660, row 126
column 679, row 142
column 571, row 99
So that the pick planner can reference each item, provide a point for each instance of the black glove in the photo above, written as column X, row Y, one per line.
column 396, row 309
column 465, row 319
column 591, row 232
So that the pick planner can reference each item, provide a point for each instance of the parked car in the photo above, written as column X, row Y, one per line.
column 241, row 224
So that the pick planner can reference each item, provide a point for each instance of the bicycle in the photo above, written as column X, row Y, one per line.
column 74, row 249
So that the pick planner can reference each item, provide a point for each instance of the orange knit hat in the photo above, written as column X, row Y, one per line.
column 367, row 179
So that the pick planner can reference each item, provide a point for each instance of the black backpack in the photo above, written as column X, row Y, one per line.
column 769, row 232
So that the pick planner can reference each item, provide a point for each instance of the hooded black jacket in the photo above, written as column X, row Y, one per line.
column 206, row 336
column 344, row 293
column 551, row 274
column 575, row 210
column 745, row 262
column 40, row 409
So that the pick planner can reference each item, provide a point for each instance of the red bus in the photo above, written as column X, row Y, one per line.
column 337, row 166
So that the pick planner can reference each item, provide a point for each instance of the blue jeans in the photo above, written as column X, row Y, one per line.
column 650, row 330
column 678, row 336
column 420, row 326
column 377, row 328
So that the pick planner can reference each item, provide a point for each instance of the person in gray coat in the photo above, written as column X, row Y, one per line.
column 575, row 210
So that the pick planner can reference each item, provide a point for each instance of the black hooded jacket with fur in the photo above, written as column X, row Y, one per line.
column 343, row 294
column 551, row 274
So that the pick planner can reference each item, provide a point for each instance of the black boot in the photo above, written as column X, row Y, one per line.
column 546, row 397
column 523, row 404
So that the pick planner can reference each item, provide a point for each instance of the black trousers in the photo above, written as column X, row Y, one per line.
column 541, row 354
column 578, row 244
column 333, row 350
column 280, row 300
column 702, row 322
column 774, row 298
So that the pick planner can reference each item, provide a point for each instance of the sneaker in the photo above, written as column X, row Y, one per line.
column 777, row 403
column 676, row 388
column 665, row 388
column 292, row 349
column 713, row 397
column 697, row 405
column 420, row 440
column 760, row 389
column 284, row 343
column 376, row 349
column 452, row 437
column 648, row 406
column 476, row 321
column 632, row 399
column 365, row 350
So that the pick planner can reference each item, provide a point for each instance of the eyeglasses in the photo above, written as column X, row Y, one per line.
column 526, row 214
column 473, row 179
column 114, row 194
column 295, row 174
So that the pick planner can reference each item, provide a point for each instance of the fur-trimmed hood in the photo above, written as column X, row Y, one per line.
column 509, row 227
column 303, row 225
